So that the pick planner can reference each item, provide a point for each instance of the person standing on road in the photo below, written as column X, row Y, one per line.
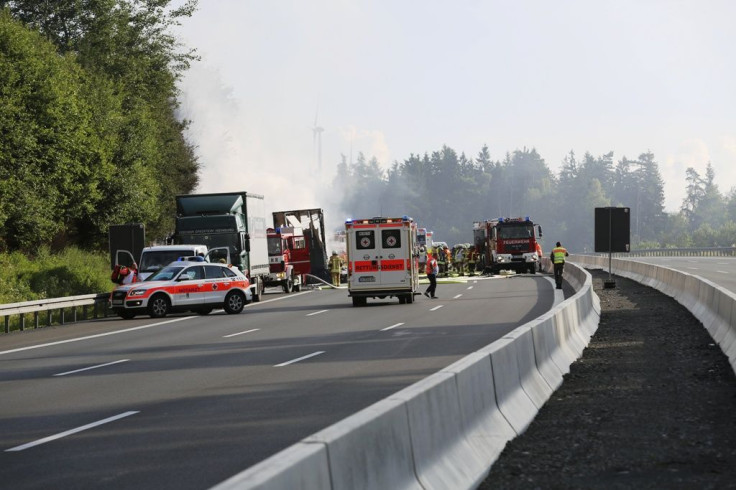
column 432, row 269
column 558, row 260
column 335, row 266
column 540, row 254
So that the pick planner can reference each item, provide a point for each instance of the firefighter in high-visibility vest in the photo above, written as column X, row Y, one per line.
column 558, row 260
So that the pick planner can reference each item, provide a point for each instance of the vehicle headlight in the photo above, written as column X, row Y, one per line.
column 137, row 292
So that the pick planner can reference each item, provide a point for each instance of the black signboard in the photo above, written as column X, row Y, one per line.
column 612, row 229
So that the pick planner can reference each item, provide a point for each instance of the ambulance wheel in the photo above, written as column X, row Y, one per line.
column 409, row 299
column 288, row 285
column 159, row 306
column 234, row 302
column 359, row 301
column 402, row 300
column 125, row 315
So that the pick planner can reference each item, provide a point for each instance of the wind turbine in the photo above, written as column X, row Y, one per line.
column 317, row 143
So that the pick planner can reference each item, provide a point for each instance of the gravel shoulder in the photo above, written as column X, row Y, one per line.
column 651, row 404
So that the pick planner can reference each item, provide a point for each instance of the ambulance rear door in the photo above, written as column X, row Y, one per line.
column 381, row 254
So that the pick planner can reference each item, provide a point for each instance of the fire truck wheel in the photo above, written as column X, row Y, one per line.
column 289, row 285
column 533, row 269
column 298, row 287
column 159, row 306
column 234, row 302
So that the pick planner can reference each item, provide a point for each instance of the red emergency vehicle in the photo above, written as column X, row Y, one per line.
column 382, row 258
column 288, row 258
column 507, row 244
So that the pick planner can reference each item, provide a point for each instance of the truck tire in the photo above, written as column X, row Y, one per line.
column 159, row 306
column 234, row 302
column 409, row 298
column 288, row 285
column 402, row 299
column 359, row 301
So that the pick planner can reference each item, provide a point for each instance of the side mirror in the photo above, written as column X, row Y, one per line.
column 247, row 242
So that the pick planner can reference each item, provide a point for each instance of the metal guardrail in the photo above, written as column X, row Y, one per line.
column 55, row 309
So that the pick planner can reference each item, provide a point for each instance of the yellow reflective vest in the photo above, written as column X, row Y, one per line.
column 558, row 255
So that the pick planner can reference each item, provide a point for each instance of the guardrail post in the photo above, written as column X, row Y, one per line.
column 35, row 319
column 22, row 322
column 49, row 318
column 62, row 316
column 74, row 314
column 84, row 312
column 7, row 324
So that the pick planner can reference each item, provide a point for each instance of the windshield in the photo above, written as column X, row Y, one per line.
column 153, row 261
column 513, row 231
column 166, row 274
column 274, row 246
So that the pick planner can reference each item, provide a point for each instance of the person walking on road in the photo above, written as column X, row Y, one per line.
column 432, row 269
column 558, row 260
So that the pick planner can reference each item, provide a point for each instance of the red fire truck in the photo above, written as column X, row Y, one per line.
column 288, row 258
column 382, row 259
column 507, row 244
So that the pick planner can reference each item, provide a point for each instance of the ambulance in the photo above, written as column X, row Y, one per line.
column 383, row 259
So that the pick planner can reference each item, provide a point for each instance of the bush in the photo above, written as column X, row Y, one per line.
column 47, row 275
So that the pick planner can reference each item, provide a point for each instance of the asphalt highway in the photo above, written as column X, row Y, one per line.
column 188, row 401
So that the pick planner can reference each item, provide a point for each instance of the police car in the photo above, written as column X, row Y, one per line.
column 184, row 286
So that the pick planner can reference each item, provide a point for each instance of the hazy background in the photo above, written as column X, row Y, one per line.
column 389, row 78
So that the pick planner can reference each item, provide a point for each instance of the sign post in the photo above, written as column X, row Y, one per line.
column 612, row 234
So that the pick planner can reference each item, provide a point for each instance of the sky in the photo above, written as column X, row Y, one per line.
column 391, row 78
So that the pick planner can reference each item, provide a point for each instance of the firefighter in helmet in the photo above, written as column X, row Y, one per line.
column 335, row 266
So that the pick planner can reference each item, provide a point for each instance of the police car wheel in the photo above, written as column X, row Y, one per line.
column 158, row 306
column 234, row 302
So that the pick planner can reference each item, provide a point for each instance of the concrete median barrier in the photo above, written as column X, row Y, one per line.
column 443, row 457
column 532, row 382
column 551, row 361
column 485, row 427
column 371, row 449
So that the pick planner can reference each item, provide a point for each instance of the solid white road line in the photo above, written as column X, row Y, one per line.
column 292, row 295
column 723, row 272
column 240, row 333
column 317, row 312
column 116, row 332
column 300, row 358
column 392, row 326
column 456, row 296
column 436, row 308
column 92, row 367
column 70, row 432
column 470, row 287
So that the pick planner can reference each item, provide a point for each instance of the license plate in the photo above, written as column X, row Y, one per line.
column 367, row 279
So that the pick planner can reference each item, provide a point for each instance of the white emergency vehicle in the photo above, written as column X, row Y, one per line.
column 383, row 259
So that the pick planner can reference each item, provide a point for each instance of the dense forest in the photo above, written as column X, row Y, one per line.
column 90, row 134
column 446, row 192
